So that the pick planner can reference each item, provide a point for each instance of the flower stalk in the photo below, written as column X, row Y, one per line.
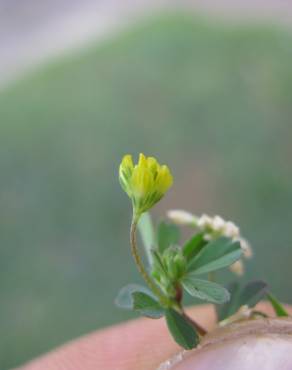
column 135, row 253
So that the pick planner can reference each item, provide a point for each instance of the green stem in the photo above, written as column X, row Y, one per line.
column 198, row 327
column 134, row 249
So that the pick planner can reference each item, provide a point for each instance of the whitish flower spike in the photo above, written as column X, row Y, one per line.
column 218, row 224
column 182, row 217
column 215, row 227
column 231, row 230
column 205, row 222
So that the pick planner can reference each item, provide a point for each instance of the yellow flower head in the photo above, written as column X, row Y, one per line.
column 145, row 183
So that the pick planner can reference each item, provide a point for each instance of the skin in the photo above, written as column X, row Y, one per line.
column 139, row 344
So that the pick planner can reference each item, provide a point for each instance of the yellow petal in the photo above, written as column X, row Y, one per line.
column 125, row 173
column 164, row 179
column 142, row 181
column 142, row 160
column 153, row 165
column 127, row 164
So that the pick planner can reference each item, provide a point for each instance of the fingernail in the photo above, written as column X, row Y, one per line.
column 260, row 351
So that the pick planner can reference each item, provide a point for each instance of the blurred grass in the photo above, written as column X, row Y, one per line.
column 212, row 101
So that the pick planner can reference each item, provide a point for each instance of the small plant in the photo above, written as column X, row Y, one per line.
column 191, row 267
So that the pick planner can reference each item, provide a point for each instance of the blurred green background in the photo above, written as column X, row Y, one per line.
column 213, row 101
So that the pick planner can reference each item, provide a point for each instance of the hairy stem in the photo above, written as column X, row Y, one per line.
column 134, row 249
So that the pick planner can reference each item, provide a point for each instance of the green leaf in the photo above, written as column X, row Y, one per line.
column 194, row 246
column 215, row 255
column 181, row 329
column 167, row 234
column 249, row 295
column 124, row 298
column 252, row 293
column 139, row 298
column 158, row 262
column 205, row 290
column 147, row 306
column 229, row 308
column 147, row 234
column 277, row 306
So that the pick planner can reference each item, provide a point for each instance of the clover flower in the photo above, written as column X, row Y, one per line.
column 216, row 226
column 145, row 183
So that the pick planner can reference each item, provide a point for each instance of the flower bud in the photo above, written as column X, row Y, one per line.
column 174, row 262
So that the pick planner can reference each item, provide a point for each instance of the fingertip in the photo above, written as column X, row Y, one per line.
column 139, row 344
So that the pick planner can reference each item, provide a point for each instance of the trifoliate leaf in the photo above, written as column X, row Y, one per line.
column 167, row 234
column 147, row 306
column 229, row 308
column 205, row 290
column 181, row 329
column 252, row 293
column 249, row 295
column 277, row 306
column 215, row 255
column 139, row 298
column 124, row 298
column 194, row 246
